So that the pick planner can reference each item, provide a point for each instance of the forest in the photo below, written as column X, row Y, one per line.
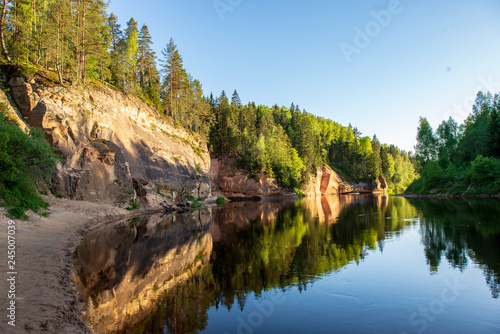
column 457, row 159
column 81, row 44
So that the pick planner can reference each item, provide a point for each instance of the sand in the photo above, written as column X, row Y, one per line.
column 46, row 301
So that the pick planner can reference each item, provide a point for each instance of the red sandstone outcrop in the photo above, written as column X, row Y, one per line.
column 328, row 182
column 234, row 183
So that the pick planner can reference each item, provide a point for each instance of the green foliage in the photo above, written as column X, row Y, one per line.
column 289, row 144
column 462, row 164
column 82, row 43
column 197, row 150
column 484, row 170
column 132, row 222
column 196, row 204
column 426, row 147
column 26, row 162
column 221, row 201
column 133, row 206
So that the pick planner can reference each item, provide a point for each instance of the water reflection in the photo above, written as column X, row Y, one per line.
column 462, row 229
column 122, row 269
column 252, row 248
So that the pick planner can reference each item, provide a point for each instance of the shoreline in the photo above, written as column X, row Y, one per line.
column 46, row 298
column 463, row 196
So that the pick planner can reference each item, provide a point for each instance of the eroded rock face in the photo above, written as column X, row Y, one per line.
column 376, row 187
column 106, row 139
column 326, row 182
column 234, row 183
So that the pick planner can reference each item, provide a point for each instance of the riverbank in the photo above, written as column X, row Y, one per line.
column 46, row 300
column 448, row 196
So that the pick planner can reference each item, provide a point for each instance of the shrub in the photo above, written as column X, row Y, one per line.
column 484, row 170
column 197, row 150
column 196, row 204
column 433, row 174
column 221, row 201
column 26, row 161
column 133, row 206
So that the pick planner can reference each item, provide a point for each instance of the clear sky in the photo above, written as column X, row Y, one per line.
column 378, row 65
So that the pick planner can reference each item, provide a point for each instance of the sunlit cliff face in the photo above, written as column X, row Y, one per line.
column 122, row 268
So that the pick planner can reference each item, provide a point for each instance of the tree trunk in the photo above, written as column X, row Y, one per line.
column 2, row 38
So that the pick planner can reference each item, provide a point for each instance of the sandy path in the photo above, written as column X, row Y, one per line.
column 45, row 299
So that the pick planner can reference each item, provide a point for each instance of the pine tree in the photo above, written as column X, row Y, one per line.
column 115, row 31
column 59, row 15
column 117, row 53
column 131, row 50
column 2, row 36
column 149, row 80
column 175, row 80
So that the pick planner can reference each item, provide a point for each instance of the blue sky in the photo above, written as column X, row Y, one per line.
column 413, row 57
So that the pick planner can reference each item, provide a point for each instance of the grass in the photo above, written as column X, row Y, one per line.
column 197, row 150
column 133, row 206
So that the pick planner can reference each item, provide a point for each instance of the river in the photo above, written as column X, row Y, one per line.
column 340, row 264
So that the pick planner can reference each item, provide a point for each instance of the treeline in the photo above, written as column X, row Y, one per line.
column 461, row 159
column 288, row 143
column 80, row 42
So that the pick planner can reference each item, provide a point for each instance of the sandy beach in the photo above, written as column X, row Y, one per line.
column 45, row 299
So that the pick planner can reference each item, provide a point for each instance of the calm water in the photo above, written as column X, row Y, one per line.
column 350, row 264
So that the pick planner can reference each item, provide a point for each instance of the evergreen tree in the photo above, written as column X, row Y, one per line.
column 148, row 75
column 175, row 80
column 115, row 31
column 131, row 51
column 425, row 149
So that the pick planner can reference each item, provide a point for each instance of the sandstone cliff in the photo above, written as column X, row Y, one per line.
column 328, row 182
column 234, row 183
column 106, row 139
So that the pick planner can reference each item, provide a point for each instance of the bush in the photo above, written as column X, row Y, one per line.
column 433, row 174
column 484, row 170
column 26, row 162
column 133, row 206
column 196, row 204
column 221, row 201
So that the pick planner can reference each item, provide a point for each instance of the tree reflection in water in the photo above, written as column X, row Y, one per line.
column 462, row 229
column 288, row 244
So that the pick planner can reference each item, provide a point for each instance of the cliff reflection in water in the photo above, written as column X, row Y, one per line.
column 283, row 244
column 251, row 248
column 121, row 269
